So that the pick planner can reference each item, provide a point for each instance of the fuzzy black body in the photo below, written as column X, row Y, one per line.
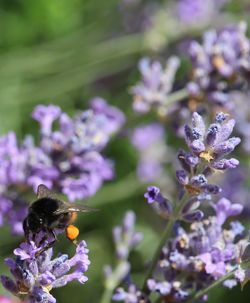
column 48, row 213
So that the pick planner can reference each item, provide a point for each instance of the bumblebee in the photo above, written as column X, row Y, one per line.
column 48, row 213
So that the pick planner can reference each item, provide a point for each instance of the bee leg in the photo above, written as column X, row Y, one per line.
column 50, row 244
column 75, row 242
column 54, row 235
column 45, row 248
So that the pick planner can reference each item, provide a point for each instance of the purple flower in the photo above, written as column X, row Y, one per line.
column 213, row 144
column 219, row 63
column 196, row 12
column 162, row 205
column 77, row 167
column 217, row 270
column 46, row 115
column 35, row 276
column 197, row 185
column 132, row 295
column 164, row 288
column 125, row 237
column 115, row 118
column 156, row 84
column 147, row 135
column 224, row 209
column 149, row 140
column 153, row 194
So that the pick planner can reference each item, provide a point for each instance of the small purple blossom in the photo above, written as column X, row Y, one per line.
column 157, row 82
column 132, row 295
column 224, row 209
column 36, row 275
column 153, row 194
column 115, row 118
column 149, row 140
column 162, row 204
column 46, row 115
column 125, row 237
column 197, row 12
column 197, row 185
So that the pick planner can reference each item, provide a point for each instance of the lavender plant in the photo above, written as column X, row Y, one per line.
column 204, row 242
column 191, row 260
column 220, row 63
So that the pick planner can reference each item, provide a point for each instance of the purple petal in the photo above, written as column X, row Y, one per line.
column 212, row 134
column 227, row 146
column 211, row 189
column 196, row 215
column 198, row 123
column 226, row 130
column 197, row 146
column 152, row 194
column 9, row 284
column 182, row 177
column 224, row 164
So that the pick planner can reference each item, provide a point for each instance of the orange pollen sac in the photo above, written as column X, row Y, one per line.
column 73, row 217
column 72, row 232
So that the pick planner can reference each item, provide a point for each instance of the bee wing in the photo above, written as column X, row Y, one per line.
column 71, row 207
column 43, row 192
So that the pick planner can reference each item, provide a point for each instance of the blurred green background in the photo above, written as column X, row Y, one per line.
column 65, row 52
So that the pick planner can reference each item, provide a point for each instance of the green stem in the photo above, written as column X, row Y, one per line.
column 114, row 280
column 165, row 236
column 204, row 291
column 176, row 96
column 107, row 295
column 158, row 300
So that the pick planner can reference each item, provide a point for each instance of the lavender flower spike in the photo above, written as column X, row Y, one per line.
column 35, row 276
column 213, row 144
column 156, row 84
column 219, row 63
column 125, row 237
